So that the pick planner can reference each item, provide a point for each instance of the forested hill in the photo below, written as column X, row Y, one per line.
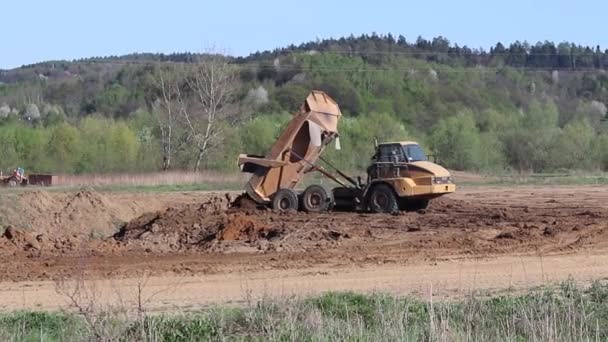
column 520, row 106
column 377, row 49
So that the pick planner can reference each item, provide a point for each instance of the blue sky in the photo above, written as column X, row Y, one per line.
column 34, row 31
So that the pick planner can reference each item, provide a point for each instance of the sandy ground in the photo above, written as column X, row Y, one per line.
column 442, row 280
column 487, row 239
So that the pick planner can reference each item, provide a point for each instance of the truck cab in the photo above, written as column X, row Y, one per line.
column 404, row 169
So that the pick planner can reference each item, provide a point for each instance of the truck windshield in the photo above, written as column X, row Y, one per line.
column 414, row 153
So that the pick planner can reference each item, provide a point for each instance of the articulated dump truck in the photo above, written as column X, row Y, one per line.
column 400, row 176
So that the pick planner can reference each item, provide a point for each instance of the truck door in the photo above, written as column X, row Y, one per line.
column 388, row 160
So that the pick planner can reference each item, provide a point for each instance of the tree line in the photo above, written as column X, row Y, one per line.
column 376, row 49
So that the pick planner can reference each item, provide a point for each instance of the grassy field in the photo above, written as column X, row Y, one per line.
column 144, row 182
column 563, row 313
column 155, row 182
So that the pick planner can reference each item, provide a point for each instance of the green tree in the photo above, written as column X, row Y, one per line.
column 259, row 134
column 529, row 150
column 63, row 148
column 124, row 146
column 457, row 142
column 541, row 115
column 573, row 148
column 291, row 96
column 8, row 154
column 600, row 152
column 357, row 137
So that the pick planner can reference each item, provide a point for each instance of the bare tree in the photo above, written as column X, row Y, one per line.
column 213, row 83
column 169, row 108
column 193, row 105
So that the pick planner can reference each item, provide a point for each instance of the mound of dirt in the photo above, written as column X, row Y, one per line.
column 194, row 227
column 241, row 228
column 37, row 201
column 85, row 212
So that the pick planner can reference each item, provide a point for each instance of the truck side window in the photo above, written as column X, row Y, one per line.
column 385, row 153
column 397, row 154
column 390, row 154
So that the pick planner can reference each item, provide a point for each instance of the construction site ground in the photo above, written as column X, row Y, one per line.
column 188, row 250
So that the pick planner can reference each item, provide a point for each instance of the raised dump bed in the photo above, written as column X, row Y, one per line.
column 296, row 150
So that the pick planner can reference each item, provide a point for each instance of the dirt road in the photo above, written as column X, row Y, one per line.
column 450, row 279
column 197, row 253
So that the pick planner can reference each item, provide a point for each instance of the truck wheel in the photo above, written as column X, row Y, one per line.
column 285, row 199
column 315, row 199
column 382, row 199
column 12, row 183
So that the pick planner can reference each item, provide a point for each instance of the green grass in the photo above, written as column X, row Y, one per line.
column 563, row 313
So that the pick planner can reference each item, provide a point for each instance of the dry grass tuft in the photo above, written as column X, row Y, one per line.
column 151, row 179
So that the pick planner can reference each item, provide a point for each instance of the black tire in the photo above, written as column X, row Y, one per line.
column 315, row 199
column 12, row 183
column 382, row 199
column 285, row 199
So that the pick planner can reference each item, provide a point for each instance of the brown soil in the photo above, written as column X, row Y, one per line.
column 243, row 201
column 205, row 236
column 447, row 226
column 83, row 212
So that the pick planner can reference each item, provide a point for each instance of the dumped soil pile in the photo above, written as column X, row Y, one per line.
column 211, row 227
column 187, row 228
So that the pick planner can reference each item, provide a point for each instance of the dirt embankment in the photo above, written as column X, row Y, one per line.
column 39, row 222
column 59, row 223
column 82, row 212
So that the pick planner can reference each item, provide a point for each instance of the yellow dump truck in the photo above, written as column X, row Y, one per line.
column 400, row 176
